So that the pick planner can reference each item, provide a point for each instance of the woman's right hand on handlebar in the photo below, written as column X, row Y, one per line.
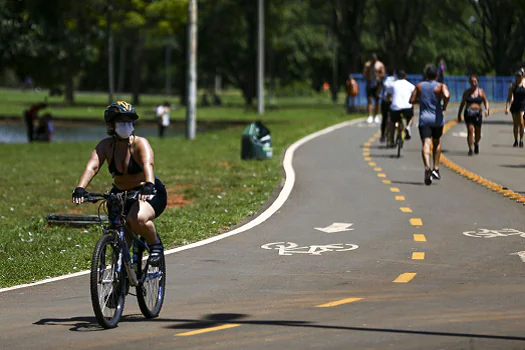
column 78, row 195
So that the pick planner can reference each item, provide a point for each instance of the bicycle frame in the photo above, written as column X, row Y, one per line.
column 118, row 228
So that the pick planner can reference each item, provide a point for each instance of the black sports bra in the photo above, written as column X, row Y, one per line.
column 478, row 99
column 132, row 168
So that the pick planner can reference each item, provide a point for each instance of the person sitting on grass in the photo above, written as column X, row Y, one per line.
column 130, row 162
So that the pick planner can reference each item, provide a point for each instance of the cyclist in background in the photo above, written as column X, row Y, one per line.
column 516, row 101
column 473, row 98
column 130, row 162
column 400, row 92
column 385, row 102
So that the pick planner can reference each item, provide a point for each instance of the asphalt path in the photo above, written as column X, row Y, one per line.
column 406, row 266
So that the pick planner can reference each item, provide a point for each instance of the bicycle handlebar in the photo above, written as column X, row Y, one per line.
column 95, row 197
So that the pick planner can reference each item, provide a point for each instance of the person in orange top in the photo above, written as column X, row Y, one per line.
column 352, row 89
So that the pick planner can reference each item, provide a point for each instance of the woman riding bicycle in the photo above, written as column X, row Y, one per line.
column 130, row 162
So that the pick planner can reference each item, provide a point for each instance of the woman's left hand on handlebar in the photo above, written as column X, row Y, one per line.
column 148, row 191
column 78, row 195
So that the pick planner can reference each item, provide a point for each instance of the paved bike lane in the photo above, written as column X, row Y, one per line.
column 462, row 290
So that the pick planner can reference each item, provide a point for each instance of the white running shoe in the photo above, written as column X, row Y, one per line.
column 370, row 119
column 377, row 119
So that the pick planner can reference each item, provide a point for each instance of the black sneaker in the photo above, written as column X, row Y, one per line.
column 470, row 152
column 436, row 175
column 521, row 144
column 515, row 144
column 155, row 254
column 428, row 177
column 476, row 148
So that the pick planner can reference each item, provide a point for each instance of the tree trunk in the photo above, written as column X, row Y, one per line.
column 122, row 68
column 69, row 95
column 136, row 72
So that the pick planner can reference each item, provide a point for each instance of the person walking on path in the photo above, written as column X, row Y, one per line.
column 441, row 68
column 430, row 95
column 473, row 98
column 373, row 72
column 516, row 102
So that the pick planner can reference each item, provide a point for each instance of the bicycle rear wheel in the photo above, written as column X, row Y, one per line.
column 107, row 285
column 151, row 289
column 400, row 141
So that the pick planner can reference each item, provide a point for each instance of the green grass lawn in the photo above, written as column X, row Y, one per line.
column 218, row 189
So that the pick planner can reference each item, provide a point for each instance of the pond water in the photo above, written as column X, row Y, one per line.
column 12, row 132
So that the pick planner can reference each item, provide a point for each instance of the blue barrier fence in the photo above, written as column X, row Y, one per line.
column 496, row 88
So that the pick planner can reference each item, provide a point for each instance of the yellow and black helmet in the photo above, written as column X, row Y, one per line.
column 119, row 108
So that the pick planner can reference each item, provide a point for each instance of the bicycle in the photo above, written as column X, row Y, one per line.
column 114, row 269
column 400, row 136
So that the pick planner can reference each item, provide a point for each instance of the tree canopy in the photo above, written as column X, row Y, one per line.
column 64, row 43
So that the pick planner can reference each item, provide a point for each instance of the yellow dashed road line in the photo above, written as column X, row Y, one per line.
column 416, row 222
column 418, row 256
column 206, row 330
column 394, row 189
column 340, row 302
column 400, row 198
column 419, row 237
column 381, row 175
column 405, row 277
column 405, row 210
column 387, row 182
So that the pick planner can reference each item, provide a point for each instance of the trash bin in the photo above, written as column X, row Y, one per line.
column 256, row 142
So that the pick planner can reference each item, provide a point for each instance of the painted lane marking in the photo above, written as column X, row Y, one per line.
column 381, row 175
column 419, row 237
column 378, row 169
column 400, row 198
column 418, row 256
column 405, row 277
column 372, row 163
column 340, row 302
column 207, row 330
column 394, row 189
column 416, row 222
column 387, row 182
column 520, row 198
column 366, row 154
column 486, row 233
column 335, row 227
column 289, row 248
column 286, row 190
column 520, row 254
column 367, row 158
column 405, row 210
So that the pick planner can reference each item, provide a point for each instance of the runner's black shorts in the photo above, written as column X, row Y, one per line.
column 395, row 116
column 473, row 117
column 371, row 91
column 427, row 131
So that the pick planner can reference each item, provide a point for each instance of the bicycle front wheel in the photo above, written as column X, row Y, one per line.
column 152, row 287
column 107, row 284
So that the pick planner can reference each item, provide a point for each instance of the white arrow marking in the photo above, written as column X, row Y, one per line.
column 336, row 227
column 520, row 254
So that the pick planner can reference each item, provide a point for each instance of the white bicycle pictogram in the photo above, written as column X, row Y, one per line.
column 486, row 233
column 289, row 248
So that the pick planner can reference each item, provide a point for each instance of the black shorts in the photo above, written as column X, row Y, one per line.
column 395, row 116
column 473, row 117
column 158, row 202
column 516, row 108
column 427, row 131
column 372, row 91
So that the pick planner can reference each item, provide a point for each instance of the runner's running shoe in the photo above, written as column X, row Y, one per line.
column 428, row 177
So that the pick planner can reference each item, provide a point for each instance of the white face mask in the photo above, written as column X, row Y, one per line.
column 124, row 130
